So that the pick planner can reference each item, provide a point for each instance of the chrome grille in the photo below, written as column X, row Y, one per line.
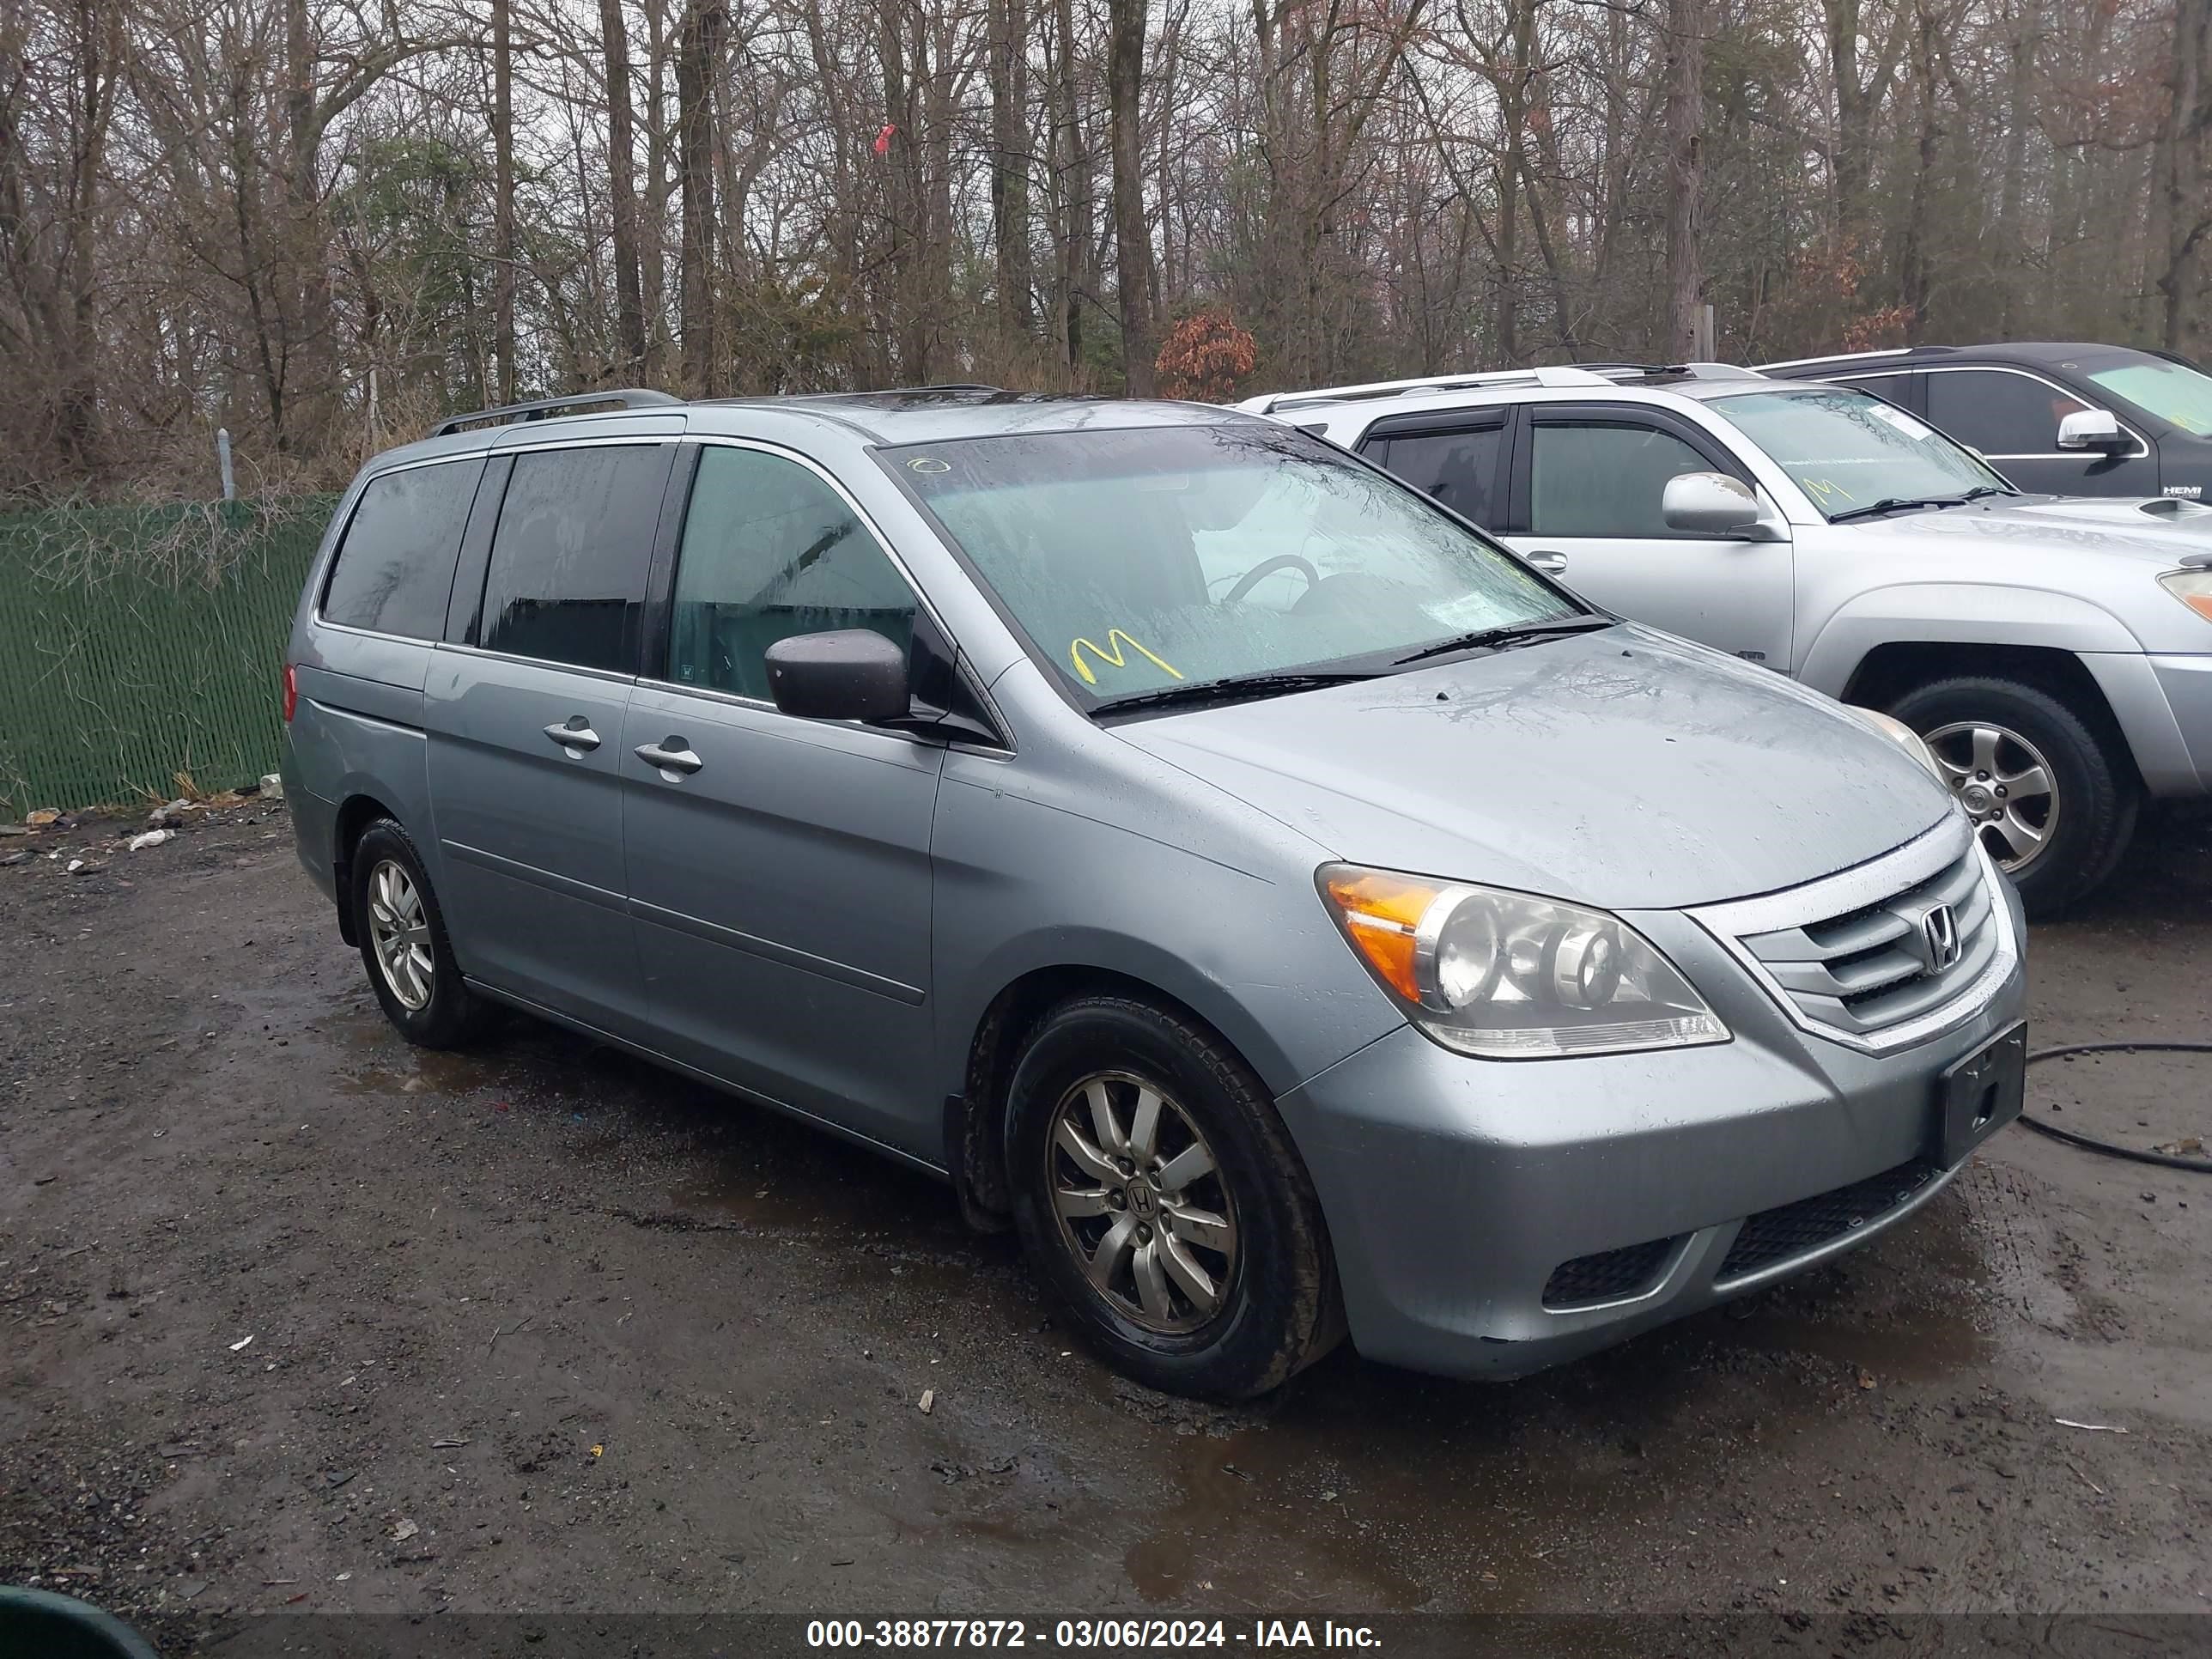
column 1883, row 955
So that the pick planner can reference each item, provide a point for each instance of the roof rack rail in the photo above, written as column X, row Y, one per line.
column 1699, row 371
column 631, row 398
column 951, row 385
column 1856, row 356
column 1547, row 374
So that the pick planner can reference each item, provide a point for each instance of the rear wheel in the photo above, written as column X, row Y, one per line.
column 403, row 941
column 2052, row 798
column 1159, row 1198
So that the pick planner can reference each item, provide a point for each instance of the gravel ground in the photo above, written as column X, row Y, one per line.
column 294, row 1318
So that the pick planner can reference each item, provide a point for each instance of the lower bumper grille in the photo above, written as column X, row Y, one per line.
column 1793, row 1230
column 1608, row 1276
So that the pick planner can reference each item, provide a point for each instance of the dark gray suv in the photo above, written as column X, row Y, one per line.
column 2056, row 417
column 1289, row 910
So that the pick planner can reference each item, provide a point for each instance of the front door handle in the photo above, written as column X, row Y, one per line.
column 576, row 737
column 1550, row 563
column 672, row 757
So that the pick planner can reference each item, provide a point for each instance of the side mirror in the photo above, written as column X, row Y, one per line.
column 850, row 674
column 1712, row 504
column 2096, row 429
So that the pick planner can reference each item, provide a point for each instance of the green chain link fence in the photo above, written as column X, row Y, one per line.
column 141, row 648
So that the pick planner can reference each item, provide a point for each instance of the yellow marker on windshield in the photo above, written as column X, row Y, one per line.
column 1111, row 652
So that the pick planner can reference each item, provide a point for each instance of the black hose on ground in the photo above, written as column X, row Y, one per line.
column 2089, row 1143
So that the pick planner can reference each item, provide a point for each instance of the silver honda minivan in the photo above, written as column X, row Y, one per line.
column 1290, row 911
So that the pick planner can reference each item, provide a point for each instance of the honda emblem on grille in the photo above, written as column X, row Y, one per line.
column 1939, row 935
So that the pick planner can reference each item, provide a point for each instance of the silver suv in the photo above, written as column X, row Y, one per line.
column 1287, row 908
column 2055, row 654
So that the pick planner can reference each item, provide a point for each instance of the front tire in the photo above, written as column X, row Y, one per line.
column 1159, row 1198
column 2053, row 801
column 404, row 943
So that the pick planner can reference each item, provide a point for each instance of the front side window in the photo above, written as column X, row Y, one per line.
column 1848, row 450
column 1136, row 560
column 2172, row 392
column 568, row 561
column 394, row 570
column 770, row 550
column 1999, row 413
column 1591, row 479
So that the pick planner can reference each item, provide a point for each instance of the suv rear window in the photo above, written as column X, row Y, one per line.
column 567, row 582
column 394, row 569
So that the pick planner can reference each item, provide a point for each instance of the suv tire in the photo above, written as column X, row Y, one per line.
column 1180, row 1233
column 404, row 945
column 2089, row 808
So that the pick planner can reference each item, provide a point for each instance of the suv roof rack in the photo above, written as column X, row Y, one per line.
column 1548, row 374
column 631, row 398
column 1676, row 371
column 1858, row 356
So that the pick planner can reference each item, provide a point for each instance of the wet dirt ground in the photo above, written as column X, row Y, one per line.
column 293, row 1317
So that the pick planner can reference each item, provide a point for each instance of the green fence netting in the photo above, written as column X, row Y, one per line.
column 141, row 648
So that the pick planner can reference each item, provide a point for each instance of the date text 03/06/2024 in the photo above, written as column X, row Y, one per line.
column 1088, row 1634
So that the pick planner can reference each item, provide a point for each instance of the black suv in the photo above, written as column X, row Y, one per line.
column 2056, row 418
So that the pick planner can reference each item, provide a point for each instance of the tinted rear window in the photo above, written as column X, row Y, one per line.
column 394, row 570
column 567, row 582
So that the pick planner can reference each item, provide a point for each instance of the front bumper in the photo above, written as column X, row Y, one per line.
column 1455, row 1188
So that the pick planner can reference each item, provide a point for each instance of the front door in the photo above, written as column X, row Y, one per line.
column 779, row 868
column 525, row 730
column 1588, row 510
column 2012, row 418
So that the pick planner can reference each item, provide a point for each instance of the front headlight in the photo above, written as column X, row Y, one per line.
column 1509, row 976
column 1904, row 738
column 2192, row 588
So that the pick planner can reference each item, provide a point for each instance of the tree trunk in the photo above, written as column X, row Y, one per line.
column 622, row 189
column 2188, row 212
column 1072, row 165
column 304, row 304
column 1132, row 245
column 694, row 144
column 1686, row 175
column 1010, row 168
column 502, row 144
column 1913, row 282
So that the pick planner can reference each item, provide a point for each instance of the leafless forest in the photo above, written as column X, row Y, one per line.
column 318, row 222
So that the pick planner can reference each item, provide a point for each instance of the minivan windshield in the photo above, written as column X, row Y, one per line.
column 1151, row 557
column 1849, row 451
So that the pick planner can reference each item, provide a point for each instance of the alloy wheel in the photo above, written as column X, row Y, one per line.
column 2005, row 784
column 399, row 929
column 1142, row 1202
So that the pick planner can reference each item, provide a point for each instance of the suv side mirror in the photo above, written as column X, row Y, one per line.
column 849, row 674
column 2092, row 428
column 1713, row 504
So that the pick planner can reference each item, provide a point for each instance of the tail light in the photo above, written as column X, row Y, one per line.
column 291, row 693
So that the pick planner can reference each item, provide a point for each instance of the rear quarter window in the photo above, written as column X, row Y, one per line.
column 394, row 569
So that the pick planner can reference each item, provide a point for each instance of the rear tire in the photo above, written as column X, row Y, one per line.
column 1181, row 1236
column 2060, row 780
column 404, row 947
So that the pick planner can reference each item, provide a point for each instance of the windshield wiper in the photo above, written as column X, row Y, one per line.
column 1511, row 633
column 1901, row 503
column 1230, row 687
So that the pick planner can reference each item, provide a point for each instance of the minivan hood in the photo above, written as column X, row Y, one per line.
column 2159, row 530
column 1626, row 768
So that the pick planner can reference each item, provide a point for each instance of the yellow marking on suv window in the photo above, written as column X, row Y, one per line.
column 1111, row 652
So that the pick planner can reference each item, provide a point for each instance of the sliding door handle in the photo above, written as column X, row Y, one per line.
column 673, row 758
